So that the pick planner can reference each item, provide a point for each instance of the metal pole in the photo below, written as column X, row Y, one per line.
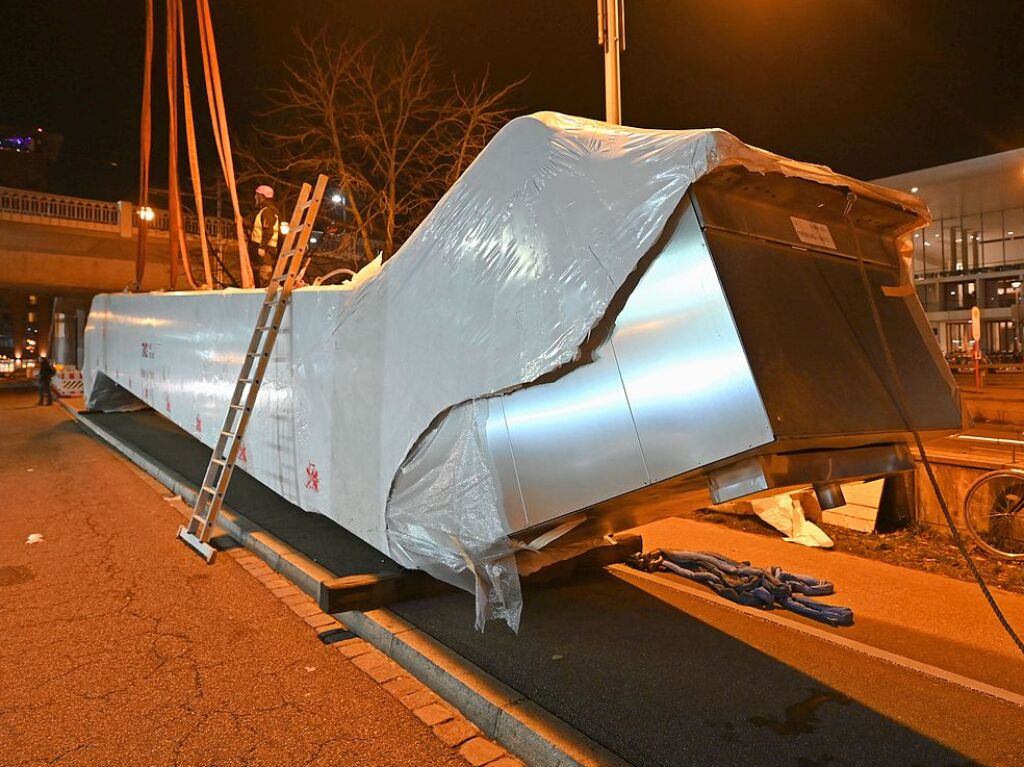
column 611, row 34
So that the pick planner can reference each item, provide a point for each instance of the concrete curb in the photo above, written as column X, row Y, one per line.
column 530, row 732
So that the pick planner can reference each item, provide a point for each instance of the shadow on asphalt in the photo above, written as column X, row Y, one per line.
column 644, row 679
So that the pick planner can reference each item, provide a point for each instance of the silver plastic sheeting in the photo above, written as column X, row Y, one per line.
column 500, row 284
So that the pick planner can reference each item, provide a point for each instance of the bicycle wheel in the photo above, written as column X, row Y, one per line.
column 994, row 513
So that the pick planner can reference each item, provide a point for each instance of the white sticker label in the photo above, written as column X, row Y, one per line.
column 813, row 233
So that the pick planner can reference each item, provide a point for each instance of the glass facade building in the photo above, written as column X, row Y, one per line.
column 972, row 254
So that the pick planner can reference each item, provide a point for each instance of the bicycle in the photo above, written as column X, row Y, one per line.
column 994, row 513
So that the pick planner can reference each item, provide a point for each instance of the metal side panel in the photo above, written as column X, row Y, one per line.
column 690, row 387
column 573, row 440
column 500, row 449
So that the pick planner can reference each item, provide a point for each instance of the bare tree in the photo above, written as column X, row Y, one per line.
column 389, row 131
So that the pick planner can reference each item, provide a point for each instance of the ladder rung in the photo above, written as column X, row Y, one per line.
column 247, row 380
column 266, row 327
column 218, row 461
column 227, row 434
column 238, row 407
column 257, row 354
column 210, row 490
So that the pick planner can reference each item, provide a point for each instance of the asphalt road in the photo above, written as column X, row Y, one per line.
column 119, row 646
column 662, row 677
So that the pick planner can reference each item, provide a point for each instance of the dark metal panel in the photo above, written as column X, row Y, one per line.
column 807, row 327
column 798, row 212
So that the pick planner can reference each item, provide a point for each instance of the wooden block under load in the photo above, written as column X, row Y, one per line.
column 587, row 561
column 374, row 590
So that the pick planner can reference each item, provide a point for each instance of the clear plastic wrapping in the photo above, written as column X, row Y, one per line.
column 382, row 385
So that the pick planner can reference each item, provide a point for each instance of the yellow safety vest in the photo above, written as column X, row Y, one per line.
column 257, row 229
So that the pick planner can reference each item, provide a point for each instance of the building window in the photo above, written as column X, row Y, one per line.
column 958, row 295
column 1001, row 292
column 958, row 337
column 31, row 317
column 32, row 300
column 999, row 337
column 929, row 295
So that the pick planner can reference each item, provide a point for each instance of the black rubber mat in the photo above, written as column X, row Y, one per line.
column 314, row 535
column 635, row 673
column 659, row 687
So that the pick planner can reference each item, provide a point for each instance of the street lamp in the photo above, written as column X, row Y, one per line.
column 146, row 214
column 611, row 34
column 336, row 198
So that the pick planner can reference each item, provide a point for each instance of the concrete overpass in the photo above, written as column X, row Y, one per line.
column 60, row 245
column 56, row 252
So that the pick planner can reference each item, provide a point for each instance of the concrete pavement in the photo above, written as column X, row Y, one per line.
column 121, row 647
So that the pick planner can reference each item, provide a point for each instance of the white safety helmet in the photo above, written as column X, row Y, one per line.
column 265, row 191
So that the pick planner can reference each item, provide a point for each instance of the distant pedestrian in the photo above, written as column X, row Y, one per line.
column 266, row 225
column 46, row 373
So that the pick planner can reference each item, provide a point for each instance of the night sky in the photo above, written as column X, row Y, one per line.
column 870, row 87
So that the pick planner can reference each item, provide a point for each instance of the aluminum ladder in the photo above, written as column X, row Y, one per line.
column 225, row 453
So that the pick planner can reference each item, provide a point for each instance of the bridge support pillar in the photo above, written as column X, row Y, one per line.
column 125, row 211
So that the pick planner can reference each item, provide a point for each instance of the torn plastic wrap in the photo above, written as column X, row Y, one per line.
column 382, row 385
column 444, row 515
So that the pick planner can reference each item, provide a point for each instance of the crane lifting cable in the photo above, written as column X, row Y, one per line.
column 145, row 141
column 176, row 48
column 215, row 96
column 193, row 155
column 178, row 248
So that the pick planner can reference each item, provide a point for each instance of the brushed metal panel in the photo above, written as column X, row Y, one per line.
column 573, row 440
column 500, row 449
column 781, row 470
column 685, row 372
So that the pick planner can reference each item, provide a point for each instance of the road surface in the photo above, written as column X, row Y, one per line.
column 122, row 647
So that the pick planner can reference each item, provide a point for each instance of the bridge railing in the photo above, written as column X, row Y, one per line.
column 58, row 209
column 58, row 206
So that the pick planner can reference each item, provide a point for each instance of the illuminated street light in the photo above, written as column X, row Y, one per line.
column 336, row 198
column 313, row 240
column 284, row 227
column 146, row 214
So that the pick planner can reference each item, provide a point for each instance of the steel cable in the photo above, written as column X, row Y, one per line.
column 898, row 396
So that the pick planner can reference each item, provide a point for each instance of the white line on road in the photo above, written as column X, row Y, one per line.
column 1013, row 698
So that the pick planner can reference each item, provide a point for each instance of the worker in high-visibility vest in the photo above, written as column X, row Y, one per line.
column 266, row 225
